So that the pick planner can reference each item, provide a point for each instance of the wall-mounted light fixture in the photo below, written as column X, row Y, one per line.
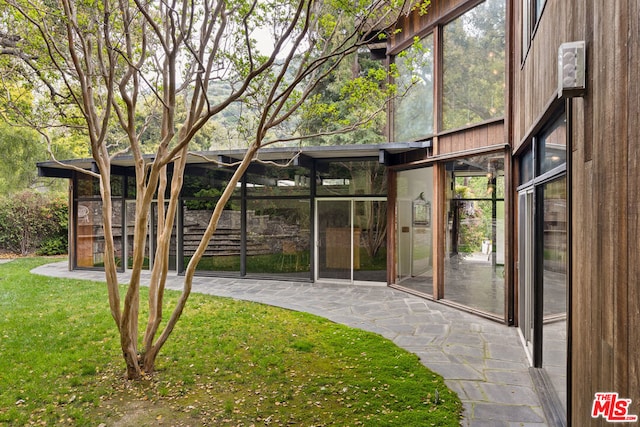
column 572, row 69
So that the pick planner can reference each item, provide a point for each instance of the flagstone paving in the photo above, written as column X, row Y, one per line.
column 481, row 360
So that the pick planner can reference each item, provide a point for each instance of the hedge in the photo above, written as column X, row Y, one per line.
column 33, row 222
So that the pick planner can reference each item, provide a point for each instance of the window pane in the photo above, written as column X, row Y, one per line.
column 475, row 230
column 278, row 237
column 554, row 271
column 207, row 181
column 370, row 240
column 413, row 112
column 90, row 234
column 89, row 186
column 526, row 31
column 552, row 146
column 351, row 178
column 473, row 68
column 276, row 181
column 335, row 254
column 539, row 7
column 415, row 229
column 526, row 167
column 223, row 250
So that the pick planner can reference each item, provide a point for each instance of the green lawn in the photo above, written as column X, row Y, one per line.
column 227, row 363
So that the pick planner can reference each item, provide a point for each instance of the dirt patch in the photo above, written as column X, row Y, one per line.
column 147, row 413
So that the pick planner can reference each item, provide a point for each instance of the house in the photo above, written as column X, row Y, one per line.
column 508, row 189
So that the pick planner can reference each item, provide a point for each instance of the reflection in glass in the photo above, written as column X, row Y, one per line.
column 554, row 346
column 414, row 229
column 88, row 186
column 278, row 182
column 370, row 240
column 278, row 237
column 206, row 181
column 526, row 166
column 223, row 250
column 173, row 249
column 475, row 230
column 335, row 256
column 351, row 178
column 130, row 224
column 474, row 66
column 552, row 146
column 413, row 110
column 90, row 242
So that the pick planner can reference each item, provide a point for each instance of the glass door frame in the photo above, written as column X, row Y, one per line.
column 526, row 258
column 152, row 236
column 317, row 241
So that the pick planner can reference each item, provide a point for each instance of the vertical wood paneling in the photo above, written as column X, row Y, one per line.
column 621, row 234
column 603, row 122
column 605, row 274
column 633, row 198
column 581, row 274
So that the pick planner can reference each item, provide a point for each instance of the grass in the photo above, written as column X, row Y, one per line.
column 228, row 363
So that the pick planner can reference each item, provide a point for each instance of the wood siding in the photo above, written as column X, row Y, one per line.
column 604, row 185
column 485, row 135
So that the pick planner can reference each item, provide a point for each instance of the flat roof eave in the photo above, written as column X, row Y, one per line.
column 63, row 169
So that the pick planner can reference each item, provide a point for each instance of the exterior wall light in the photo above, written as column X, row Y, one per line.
column 572, row 69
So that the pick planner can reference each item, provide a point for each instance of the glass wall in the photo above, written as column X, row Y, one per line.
column 359, row 178
column 474, row 66
column 265, row 229
column 352, row 236
column 554, row 283
column 203, row 186
column 474, row 233
column 413, row 110
column 278, row 237
column 414, row 228
column 336, row 258
column 268, row 234
column 543, row 235
column 278, row 229
column 89, row 233
column 130, row 214
column 370, row 240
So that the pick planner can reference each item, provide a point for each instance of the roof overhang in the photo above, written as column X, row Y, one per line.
column 387, row 153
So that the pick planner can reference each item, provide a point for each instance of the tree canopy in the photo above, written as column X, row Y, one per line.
column 112, row 71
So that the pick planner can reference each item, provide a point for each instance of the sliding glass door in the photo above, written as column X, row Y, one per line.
column 351, row 240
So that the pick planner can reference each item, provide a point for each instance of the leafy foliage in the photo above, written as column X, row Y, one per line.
column 474, row 61
column 33, row 222
column 114, row 71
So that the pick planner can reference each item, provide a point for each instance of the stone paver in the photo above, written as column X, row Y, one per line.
column 480, row 360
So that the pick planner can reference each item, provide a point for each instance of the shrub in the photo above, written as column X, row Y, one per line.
column 33, row 222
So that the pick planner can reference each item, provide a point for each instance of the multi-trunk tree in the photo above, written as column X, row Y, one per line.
column 96, row 65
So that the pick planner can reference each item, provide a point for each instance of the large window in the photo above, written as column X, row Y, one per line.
column 202, row 189
column 472, row 78
column 414, row 207
column 413, row 110
column 554, row 283
column 531, row 14
column 474, row 66
column 89, row 232
column 543, row 246
column 356, row 178
column 276, row 181
column 475, row 231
